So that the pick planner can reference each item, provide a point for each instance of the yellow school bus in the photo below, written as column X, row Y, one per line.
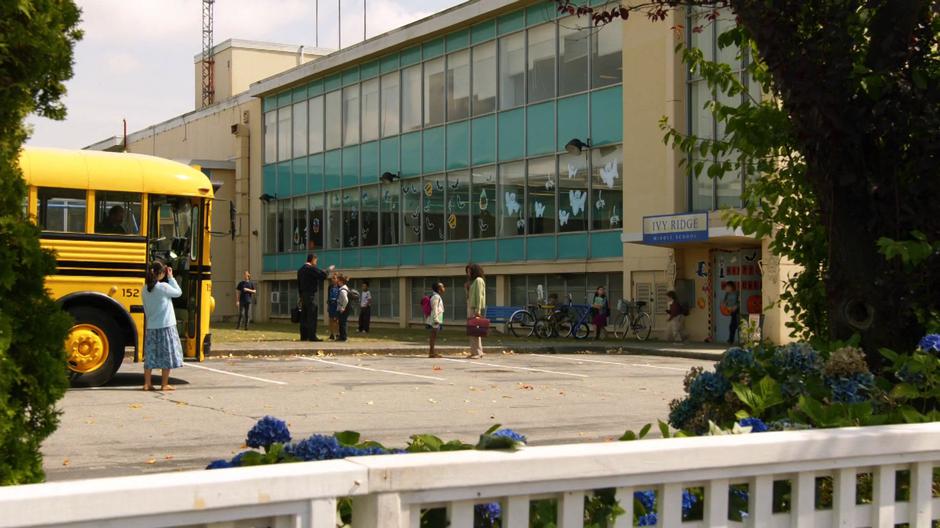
column 107, row 216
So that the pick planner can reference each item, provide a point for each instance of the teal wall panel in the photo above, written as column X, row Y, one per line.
column 411, row 154
column 539, row 13
column 333, row 169
column 540, row 247
column 389, row 63
column 368, row 257
column 483, row 250
column 369, row 70
column 573, row 246
column 328, row 258
column 369, row 153
column 293, row 261
column 457, row 40
column 410, row 56
column 607, row 116
column 541, row 129
column 512, row 22
column 298, row 177
column 299, row 94
column 483, row 140
column 350, row 258
column 351, row 166
column 269, row 179
column 606, row 244
column 283, row 179
column 389, row 156
column 511, row 134
column 511, row 249
column 333, row 82
column 482, row 32
column 315, row 88
column 433, row 149
column 458, row 252
column 410, row 255
column 269, row 263
column 458, row 145
column 389, row 257
column 351, row 76
column 284, row 99
column 432, row 48
column 572, row 120
column 315, row 173
column 269, row 103
column 433, row 254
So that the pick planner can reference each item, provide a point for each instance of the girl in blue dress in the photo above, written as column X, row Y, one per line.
column 162, row 348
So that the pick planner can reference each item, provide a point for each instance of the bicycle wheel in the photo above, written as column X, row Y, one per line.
column 522, row 323
column 642, row 326
column 543, row 329
column 582, row 331
column 621, row 326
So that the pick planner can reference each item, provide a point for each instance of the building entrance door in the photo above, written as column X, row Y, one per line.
column 738, row 268
column 651, row 287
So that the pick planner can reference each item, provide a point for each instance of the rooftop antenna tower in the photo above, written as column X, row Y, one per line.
column 208, row 61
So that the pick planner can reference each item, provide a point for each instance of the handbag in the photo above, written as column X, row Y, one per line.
column 478, row 327
column 295, row 313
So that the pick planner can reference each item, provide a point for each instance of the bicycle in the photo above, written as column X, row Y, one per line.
column 527, row 321
column 633, row 319
column 566, row 321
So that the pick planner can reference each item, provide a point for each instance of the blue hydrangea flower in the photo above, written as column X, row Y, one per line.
column 930, row 343
column 269, row 430
column 682, row 413
column 688, row 501
column 796, row 358
column 851, row 389
column 736, row 359
column 756, row 424
column 907, row 376
column 315, row 447
column 647, row 520
column 647, row 498
column 237, row 459
column 708, row 386
column 488, row 514
column 512, row 435
column 219, row 464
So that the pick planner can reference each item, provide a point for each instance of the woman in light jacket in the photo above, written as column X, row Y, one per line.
column 476, row 304
column 162, row 348
column 435, row 320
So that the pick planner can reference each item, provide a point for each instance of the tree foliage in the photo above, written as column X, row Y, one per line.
column 842, row 153
column 36, row 42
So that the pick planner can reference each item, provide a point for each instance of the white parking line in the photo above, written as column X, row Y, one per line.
column 647, row 365
column 236, row 374
column 476, row 362
column 338, row 364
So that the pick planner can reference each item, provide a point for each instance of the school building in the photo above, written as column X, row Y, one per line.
column 496, row 132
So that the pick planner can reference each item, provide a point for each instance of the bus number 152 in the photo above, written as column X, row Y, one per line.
column 130, row 292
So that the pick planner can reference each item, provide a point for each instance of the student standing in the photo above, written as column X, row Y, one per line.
column 435, row 320
column 162, row 348
column 365, row 307
column 309, row 278
column 730, row 302
column 675, row 316
column 246, row 292
column 342, row 306
column 331, row 299
column 601, row 310
column 476, row 304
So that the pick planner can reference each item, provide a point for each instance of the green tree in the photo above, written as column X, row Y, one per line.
column 36, row 42
column 847, row 147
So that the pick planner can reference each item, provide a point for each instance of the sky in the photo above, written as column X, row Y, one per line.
column 135, row 61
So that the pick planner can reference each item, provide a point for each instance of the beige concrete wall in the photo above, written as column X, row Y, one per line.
column 776, row 273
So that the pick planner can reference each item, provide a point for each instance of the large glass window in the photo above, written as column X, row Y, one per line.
column 483, row 201
column 572, row 193
column 370, row 110
column 573, row 44
column 606, row 62
column 62, row 210
column 434, row 83
column 484, row 78
column 351, row 218
column 384, row 297
column 270, row 227
column 541, row 199
column 351, row 115
column 458, row 205
column 729, row 186
column 335, row 220
column 512, row 71
column 434, row 226
column 390, row 104
column 300, row 129
column 117, row 213
column 317, row 226
column 411, row 210
column 390, row 212
column 411, row 98
column 299, row 222
column 270, row 136
column 284, row 225
column 458, row 85
column 315, row 118
column 541, row 62
column 369, row 215
column 512, row 199
column 607, row 187
column 284, row 133
column 334, row 120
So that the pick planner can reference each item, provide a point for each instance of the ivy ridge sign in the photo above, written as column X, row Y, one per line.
column 664, row 229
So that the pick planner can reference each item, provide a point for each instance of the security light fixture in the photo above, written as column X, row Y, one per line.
column 390, row 177
column 576, row 146
column 267, row 197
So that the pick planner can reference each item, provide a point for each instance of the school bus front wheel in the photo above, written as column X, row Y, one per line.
column 94, row 347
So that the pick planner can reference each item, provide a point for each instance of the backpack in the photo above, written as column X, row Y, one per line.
column 683, row 309
column 352, row 295
column 426, row 305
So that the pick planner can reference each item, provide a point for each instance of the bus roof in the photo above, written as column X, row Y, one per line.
column 111, row 171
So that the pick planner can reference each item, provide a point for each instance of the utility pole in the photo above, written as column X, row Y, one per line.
column 208, row 61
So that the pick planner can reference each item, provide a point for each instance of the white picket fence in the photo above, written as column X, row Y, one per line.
column 391, row 491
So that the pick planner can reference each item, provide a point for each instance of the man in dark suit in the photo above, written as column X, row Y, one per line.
column 309, row 279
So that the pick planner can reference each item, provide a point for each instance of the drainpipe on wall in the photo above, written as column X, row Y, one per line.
column 300, row 55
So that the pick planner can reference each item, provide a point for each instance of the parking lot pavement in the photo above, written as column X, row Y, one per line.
column 552, row 398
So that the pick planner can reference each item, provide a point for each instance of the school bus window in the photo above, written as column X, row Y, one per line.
column 117, row 213
column 62, row 210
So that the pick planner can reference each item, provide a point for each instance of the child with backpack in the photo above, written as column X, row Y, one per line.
column 332, row 297
column 342, row 306
column 675, row 316
column 433, row 308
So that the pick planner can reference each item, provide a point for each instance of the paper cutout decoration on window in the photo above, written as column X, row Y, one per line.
column 452, row 221
column 316, row 225
column 549, row 183
column 600, row 203
column 539, row 210
column 609, row 173
column 572, row 171
column 520, row 224
column 439, row 185
column 296, row 236
column 461, row 204
column 454, row 185
column 563, row 216
column 428, row 189
column 484, row 200
column 577, row 199
column 484, row 227
column 614, row 217
column 512, row 206
column 430, row 225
